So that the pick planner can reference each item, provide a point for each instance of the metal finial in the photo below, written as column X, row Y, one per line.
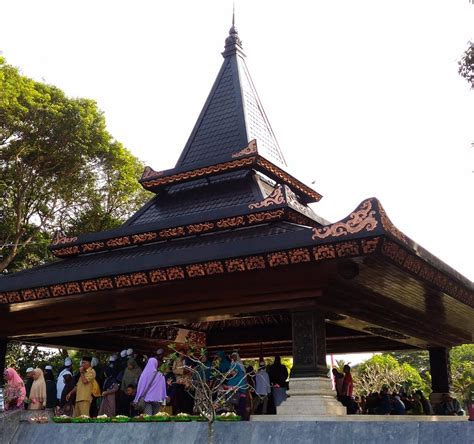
column 233, row 41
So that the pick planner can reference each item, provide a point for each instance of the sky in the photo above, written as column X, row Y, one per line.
column 363, row 96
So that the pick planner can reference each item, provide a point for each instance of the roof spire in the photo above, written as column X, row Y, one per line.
column 233, row 42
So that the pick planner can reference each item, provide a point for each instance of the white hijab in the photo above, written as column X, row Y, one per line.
column 60, row 383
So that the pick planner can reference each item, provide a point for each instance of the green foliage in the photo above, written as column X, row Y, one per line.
column 419, row 359
column 20, row 357
column 59, row 169
column 411, row 370
column 339, row 365
column 385, row 370
column 462, row 370
column 287, row 362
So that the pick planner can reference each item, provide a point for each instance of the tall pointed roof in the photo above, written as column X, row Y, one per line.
column 230, row 171
column 232, row 115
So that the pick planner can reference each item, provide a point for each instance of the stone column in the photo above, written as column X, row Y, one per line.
column 3, row 354
column 440, row 373
column 310, row 391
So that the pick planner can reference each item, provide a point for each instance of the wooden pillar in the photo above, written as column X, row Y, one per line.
column 309, row 345
column 440, row 370
column 3, row 355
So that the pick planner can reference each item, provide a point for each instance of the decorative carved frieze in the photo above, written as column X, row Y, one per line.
column 251, row 148
column 198, row 173
column 389, row 227
column 360, row 220
column 393, row 251
column 276, row 197
column 59, row 239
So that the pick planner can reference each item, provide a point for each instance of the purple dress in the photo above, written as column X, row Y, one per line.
column 152, row 384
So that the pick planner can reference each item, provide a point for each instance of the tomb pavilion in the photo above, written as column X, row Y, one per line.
column 230, row 255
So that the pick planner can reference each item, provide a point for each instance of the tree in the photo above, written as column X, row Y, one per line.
column 20, row 357
column 419, row 360
column 59, row 169
column 462, row 371
column 466, row 64
column 208, row 383
column 384, row 370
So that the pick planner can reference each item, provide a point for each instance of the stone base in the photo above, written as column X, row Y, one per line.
column 360, row 418
column 310, row 397
column 9, row 423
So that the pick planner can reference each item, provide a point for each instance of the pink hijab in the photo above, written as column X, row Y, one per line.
column 15, row 386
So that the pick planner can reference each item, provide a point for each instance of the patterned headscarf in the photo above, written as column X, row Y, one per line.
column 15, row 387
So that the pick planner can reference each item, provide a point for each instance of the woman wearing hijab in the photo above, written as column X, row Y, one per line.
column 110, row 388
column 151, row 387
column 66, row 407
column 224, row 363
column 38, row 391
column 235, row 357
column 131, row 375
column 15, row 391
column 238, row 380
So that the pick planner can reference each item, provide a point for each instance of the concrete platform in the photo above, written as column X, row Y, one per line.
column 274, row 432
column 9, row 423
column 360, row 418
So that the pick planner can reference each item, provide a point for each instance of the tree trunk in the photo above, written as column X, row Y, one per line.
column 210, row 432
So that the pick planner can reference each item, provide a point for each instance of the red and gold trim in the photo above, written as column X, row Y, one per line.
column 152, row 179
column 287, row 179
column 232, row 265
column 219, row 168
column 362, row 219
column 251, row 148
column 185, row 230
column 342, row 249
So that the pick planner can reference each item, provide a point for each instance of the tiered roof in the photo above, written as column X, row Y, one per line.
column 229, row 209
column 229, row 174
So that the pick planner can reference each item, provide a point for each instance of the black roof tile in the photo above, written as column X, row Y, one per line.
column 228, row 190
column 231, row 117
column 147, row 257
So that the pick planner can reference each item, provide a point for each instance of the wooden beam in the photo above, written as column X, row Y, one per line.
column 170, row 310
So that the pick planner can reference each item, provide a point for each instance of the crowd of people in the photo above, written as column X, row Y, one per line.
column 88, row 390
column 130, row 384
column 386, row 403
